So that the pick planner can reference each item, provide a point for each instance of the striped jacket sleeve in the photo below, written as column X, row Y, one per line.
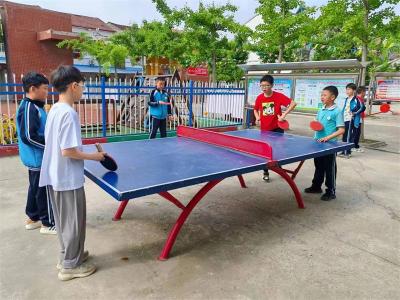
column 29, row 126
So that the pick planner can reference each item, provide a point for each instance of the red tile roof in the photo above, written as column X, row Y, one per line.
column 90, row 22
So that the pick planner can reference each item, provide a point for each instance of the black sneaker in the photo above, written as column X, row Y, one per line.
column 313, row 190
column 266, row 177
column 328, row 197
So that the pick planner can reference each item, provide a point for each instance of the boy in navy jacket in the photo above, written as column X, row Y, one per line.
column 31, row 120
column 352, row 110
column 160, row 109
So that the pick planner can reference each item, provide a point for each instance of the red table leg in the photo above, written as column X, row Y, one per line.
column 183, row 216
column 172, row 199
column 290, row 181
column 294, row 173
column 120, row 210
column 241, row 180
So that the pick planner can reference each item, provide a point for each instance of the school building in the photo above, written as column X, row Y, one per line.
column 30, row 34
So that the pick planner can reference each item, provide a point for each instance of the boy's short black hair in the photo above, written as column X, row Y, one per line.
column 361, row 89
column 351, row 86
column 160, row 79
column 63, row 76
column 332, row 89
column 33, row 79
column 267, row 78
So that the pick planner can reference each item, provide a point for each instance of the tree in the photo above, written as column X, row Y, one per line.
column 113, row 55
column 355, row 28
column 235, row 53
column 104, row 52
column 152, row 39
column 204, row 33
column 286, row 27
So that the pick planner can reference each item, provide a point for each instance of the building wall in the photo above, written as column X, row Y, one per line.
column 24, row 52
column 95, row 34
column 252, row 24
column 160, row 66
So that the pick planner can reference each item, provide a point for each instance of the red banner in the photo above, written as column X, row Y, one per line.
column 198, row 71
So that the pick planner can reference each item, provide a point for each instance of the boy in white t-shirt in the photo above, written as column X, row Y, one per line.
column 62, row 173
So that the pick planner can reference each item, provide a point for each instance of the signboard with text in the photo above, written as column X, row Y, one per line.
column 307, row 92
column 281, row 85
column 198, row 71
column 387, row 89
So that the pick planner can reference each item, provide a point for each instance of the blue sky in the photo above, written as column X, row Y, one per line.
column 134, row 11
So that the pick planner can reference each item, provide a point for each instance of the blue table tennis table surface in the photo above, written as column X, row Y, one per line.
column 151, row 166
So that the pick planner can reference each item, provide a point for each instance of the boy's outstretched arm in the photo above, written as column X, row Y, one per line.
column 291, row 106
column 338, row 132
column 75, row 153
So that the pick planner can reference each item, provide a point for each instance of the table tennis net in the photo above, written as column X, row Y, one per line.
column 245, row 145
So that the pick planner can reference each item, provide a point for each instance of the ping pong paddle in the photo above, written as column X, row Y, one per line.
column 108, row 162
column 316, row 126
column 383, row 108
column 283, row 124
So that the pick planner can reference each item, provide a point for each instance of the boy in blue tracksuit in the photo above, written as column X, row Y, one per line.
column 31, row 120
column 352, row 111
column 160, row 109
column 331, row 117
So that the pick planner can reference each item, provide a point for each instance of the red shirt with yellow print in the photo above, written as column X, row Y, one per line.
column 269, row 108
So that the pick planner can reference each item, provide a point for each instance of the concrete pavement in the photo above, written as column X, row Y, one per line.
column 249, row 243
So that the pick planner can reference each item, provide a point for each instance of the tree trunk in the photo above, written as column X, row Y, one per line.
column 365, row 42
column 281, row 50
column 214, row 68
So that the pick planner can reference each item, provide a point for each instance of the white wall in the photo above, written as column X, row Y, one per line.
column 95, row 34
column 252, row 24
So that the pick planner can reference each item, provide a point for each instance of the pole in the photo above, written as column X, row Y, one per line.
column 103, row 106
column 190, row 102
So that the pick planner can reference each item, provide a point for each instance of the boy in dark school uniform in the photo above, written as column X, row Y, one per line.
column 31, row 121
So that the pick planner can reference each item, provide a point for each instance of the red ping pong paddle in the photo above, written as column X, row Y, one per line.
column 283, row 124
column 108, row 162
column 316, row 126
column 384, row 108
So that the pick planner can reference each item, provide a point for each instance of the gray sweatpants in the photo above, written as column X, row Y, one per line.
column 69, row 208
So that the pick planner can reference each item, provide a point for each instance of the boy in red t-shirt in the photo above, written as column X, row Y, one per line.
column 267, row 109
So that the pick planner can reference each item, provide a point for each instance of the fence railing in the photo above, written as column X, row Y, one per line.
column 111, row 107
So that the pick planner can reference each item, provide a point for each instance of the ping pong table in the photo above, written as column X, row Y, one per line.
column 200, row 156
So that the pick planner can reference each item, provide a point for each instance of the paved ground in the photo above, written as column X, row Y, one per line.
column 238, row 244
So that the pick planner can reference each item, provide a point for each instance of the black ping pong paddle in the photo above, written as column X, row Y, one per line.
column 108, row 162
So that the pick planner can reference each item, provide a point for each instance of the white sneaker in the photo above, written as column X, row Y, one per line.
column 360, row 150
column 30, row 224
column 81, row 271
column 85, row 258
column 48, row 230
